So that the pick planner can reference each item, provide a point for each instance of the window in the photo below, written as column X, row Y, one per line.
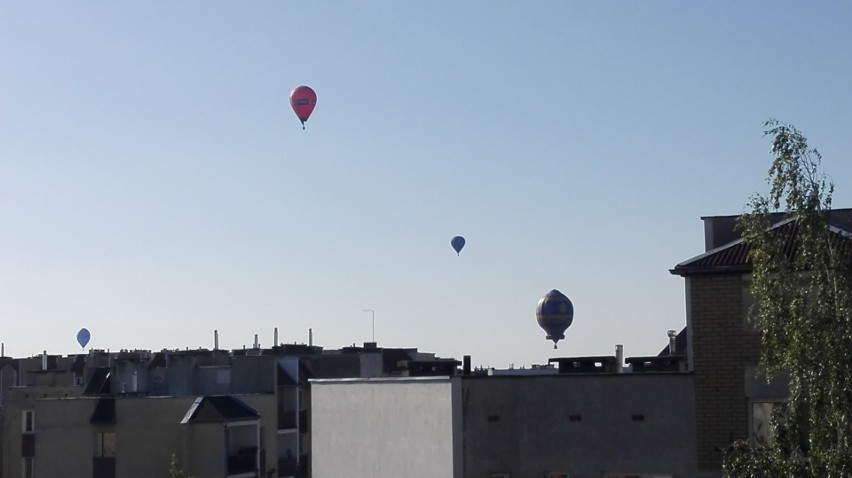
column 27, row 470
column 761, row 423
column 104, row 444
column 28, row 421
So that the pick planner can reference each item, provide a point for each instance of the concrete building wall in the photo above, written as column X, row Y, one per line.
column 253, row 374
column 64, row 437
column 180, row 375
column 148, row 431
column 18, row 400
column 386, row 428
column 129, row 376
column 582, row 425
column 204, row 451
column 723, row 348
column 267, row 406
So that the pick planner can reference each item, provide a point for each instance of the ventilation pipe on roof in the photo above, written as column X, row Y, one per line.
column 619, row 358
column 3, row 349
column 215, row 340
column 672, row 342
column 275, row 337
column 256, row 343
column 44, row 360
column 311, row 337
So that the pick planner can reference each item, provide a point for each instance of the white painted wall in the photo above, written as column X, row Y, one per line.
column 386, row 428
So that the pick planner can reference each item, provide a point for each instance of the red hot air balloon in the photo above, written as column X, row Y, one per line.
column 302, row 100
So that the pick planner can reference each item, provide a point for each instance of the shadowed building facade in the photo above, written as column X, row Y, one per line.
column 731, row 401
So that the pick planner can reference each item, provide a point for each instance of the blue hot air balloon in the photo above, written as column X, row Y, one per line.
column 83, row 337
column 457, row 243
column 554, row 314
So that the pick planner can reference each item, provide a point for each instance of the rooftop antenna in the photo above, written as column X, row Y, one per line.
column 373, row 313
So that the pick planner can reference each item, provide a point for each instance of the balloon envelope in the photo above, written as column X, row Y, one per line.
column 457, row 243
column 83, row 337
column 554, row 314
column 302, row 100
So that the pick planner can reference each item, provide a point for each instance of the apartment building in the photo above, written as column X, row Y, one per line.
column 732, row 401
column 211, row 413
column 586, row 419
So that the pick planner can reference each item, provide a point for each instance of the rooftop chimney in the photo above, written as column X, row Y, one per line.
column 619, row 358
column 672, row 341
column 719, row 230
column 275, row 338
column 215, row 340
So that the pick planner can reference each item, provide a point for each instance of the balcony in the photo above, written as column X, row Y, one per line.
column 287, row 467
column 243, row 462
column 286, row 420
column 303, row 421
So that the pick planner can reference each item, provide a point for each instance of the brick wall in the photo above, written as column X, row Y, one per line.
column 721, row 349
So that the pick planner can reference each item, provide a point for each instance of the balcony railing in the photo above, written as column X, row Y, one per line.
column 245, row 461
column 287, row 467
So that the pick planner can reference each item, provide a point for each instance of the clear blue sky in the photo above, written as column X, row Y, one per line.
column 155, row 185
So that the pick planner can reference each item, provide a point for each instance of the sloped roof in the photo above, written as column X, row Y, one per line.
column 733, row 257
column 284, row 377
column 219, row 409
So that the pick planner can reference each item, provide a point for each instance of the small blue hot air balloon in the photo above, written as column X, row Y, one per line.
column 83, row 337
column 554, row 314
column 457, row 243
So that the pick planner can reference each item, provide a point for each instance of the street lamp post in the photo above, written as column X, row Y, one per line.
column 373, row 313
